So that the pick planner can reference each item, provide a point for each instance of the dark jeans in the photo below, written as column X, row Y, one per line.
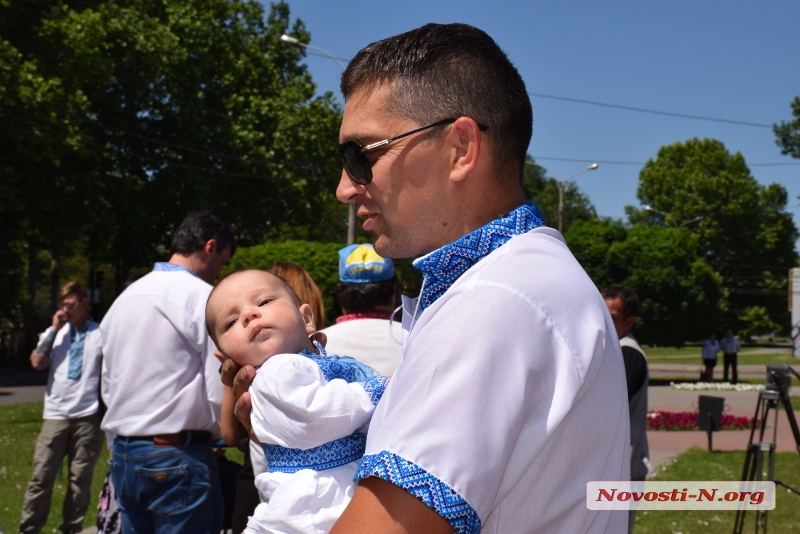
column 166, row 490
column 730, row 361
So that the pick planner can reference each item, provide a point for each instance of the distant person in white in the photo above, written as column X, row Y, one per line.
column 161, row 384
column 70, row 346
column 709, row 355
column 367, row 293
column 511, row 393
column 307, row 407
column 730, row 346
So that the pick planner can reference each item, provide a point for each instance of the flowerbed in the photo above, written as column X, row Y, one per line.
column 715, row 386
column 661, row 420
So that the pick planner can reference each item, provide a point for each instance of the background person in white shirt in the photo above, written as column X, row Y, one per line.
column 71, row 423
column 511, row 392
column 161, row 384
column 367, row 293
column 709, row 356
column 730, row 346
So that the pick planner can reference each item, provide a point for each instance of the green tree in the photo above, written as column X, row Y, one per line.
column 787, row 134
column 590, row 242
column 745, row 234
column 544, row 190
column 680, row 294
column 119, row 117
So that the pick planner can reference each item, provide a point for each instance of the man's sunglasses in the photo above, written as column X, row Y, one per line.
column 354, row 156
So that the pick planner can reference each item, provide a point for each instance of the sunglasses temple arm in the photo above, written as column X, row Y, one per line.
column 412, row 132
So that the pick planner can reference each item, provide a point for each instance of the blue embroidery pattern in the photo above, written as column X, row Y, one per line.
column 375, row 387
column 424, row 486
column 442, row 267
column 338, row 452
column 327, row 456
column 173, row 267
column 344, row 367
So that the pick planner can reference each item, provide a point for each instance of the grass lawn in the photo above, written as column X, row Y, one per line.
column 19, row 426
column 698, row 464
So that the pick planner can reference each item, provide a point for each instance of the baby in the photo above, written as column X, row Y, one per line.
column 310, row 410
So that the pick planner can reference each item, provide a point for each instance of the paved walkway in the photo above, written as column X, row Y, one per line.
column 20, row 394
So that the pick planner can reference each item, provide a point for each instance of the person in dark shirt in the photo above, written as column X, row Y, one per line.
column 623, row 305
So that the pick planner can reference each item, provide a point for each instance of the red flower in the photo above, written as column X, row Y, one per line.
column 662, row 420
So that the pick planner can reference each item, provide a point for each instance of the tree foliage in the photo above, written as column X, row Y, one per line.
column 787, row 134
column 544, row 190
column 745, row 234
column 120, row 116
column 680, row 294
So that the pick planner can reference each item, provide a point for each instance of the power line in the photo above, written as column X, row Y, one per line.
column 576, row 160
column 653, row 111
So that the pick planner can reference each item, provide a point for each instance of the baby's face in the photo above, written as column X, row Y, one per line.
column 254, row 318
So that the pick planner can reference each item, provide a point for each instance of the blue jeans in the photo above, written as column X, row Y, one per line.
column 166, row 490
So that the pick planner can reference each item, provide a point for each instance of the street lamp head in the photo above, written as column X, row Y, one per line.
column 289, row 39
column 592, row 167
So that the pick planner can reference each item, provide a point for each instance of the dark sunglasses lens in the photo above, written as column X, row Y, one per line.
column 355, row 163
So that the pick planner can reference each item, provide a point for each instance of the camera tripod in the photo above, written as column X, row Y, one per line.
column 776, row 394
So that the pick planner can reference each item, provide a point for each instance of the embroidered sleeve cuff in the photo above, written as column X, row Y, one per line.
column 437, row 495
column 375, row 387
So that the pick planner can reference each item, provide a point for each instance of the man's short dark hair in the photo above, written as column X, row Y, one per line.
column 442, row 71
column 364, row 298
column 629, row 298
column 197, row 229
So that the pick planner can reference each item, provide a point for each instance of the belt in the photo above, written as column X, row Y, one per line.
column 178, row 439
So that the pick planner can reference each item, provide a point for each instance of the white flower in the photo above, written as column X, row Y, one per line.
column 715, row 386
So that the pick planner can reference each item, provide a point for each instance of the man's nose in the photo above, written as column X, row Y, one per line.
column 347, row 189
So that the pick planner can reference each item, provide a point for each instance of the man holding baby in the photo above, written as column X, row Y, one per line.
column 511, row 393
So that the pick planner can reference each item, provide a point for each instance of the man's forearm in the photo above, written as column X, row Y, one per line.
column 46, row 343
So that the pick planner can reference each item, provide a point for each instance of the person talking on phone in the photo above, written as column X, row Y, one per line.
column 71, row 348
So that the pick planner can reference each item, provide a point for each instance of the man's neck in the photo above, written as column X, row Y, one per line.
column 190, row 262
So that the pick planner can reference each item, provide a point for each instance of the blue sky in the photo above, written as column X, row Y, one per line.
column 731, row 60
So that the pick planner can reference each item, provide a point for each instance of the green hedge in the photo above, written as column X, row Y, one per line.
column 321, row 260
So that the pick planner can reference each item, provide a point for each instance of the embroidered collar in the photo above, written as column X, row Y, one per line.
column 356, row 316
column 174, row 267
column 442, row 267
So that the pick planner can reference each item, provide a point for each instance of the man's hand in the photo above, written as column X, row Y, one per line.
column 39, row 361
column 239, row 380
column 59, row 318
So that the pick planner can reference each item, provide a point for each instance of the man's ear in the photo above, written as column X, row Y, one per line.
column 630, row 321
column 465, row 148
column 308, row 318
column 210, row 247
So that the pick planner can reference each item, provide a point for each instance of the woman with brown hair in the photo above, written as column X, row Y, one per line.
column 302, row 283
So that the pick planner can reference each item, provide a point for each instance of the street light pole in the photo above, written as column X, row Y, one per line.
column 591, row 167
column 669, row 217
column 351, row 212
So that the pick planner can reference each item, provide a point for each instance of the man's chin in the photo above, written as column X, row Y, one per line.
column 394, row 249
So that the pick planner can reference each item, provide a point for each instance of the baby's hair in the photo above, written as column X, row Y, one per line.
column 286, row 286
